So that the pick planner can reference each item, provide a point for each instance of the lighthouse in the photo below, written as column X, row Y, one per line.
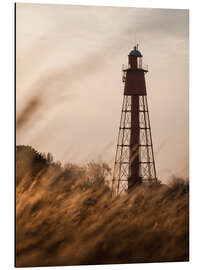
column 134, row 159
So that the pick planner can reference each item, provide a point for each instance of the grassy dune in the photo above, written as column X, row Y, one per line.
column 66, row 216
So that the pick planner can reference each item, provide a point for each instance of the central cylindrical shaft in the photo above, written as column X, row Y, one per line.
column 134, row 142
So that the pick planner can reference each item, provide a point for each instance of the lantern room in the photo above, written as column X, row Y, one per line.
column 135, row 58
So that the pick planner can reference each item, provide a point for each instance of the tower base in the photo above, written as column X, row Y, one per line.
column 133, row 183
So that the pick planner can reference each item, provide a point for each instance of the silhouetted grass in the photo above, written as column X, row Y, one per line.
column 66, row 216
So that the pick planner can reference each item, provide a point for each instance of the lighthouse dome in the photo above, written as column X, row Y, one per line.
column 135, row 52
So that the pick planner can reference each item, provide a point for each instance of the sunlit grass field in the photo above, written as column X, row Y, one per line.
column 65, row 215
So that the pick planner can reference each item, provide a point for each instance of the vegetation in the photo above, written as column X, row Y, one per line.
column 65, row 215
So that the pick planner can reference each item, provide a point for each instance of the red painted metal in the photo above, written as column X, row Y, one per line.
column 134, row 161
column 134, row 143
column 134, row 86
column 135, row 82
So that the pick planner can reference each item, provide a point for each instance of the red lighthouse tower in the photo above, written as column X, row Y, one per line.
column 134, row 161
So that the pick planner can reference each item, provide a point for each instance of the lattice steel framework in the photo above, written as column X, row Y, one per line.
column 143, row 151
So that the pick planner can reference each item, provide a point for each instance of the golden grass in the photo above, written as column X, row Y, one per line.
column 67, row 217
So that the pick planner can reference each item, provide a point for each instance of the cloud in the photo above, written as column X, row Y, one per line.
column 70, row 57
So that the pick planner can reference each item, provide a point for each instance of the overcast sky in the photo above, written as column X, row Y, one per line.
column 68, row 67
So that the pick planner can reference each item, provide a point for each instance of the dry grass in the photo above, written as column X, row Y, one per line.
column 67, row 217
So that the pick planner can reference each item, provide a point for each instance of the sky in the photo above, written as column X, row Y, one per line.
column 69, row 86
